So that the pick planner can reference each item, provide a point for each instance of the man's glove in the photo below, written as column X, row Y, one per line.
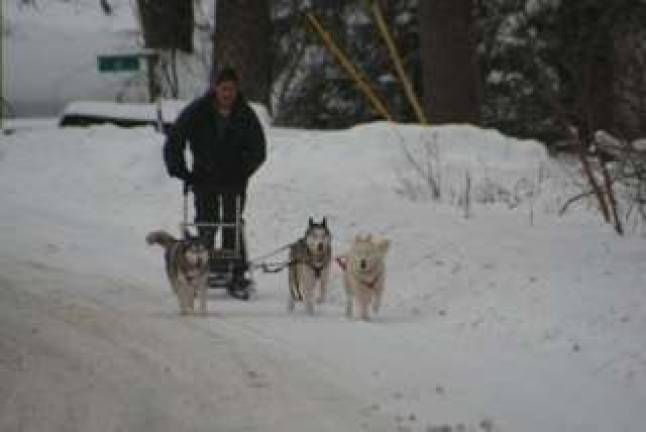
column 189, row 181
column 182, row 174
column 188, row 178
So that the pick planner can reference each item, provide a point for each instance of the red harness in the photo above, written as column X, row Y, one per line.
column 343, row 263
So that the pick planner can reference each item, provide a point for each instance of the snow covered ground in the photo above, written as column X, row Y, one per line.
column 512, row 319
column 498, row 314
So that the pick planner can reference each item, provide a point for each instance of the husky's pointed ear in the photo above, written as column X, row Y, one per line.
column 383, row 246
column 324, row 222
column 311, row 222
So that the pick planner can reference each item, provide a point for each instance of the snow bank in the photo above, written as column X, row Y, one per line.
column 449, row 164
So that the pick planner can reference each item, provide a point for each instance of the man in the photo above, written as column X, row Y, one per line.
column 228, row 145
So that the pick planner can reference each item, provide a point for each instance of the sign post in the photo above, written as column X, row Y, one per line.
column 118, row 63
column 131, row 62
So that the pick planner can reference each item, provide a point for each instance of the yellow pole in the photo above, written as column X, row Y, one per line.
column 396, row 58
column 349, row 68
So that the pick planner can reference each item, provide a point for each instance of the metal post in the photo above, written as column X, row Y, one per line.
column 159, row 123
column 153, row 87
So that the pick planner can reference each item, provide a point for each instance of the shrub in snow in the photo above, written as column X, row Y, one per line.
column 462, row 164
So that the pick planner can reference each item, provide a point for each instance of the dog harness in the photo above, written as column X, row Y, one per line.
column 342, row 262
column 316, row 265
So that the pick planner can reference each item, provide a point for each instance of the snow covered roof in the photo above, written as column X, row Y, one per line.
column 83, row 113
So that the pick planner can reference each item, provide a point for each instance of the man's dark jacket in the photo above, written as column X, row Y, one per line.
column 225, row 153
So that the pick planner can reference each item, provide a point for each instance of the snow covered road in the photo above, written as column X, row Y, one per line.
column 74, row 363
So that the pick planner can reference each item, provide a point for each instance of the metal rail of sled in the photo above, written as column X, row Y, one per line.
column 222, row 262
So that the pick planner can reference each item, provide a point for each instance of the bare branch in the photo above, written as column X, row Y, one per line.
column 572, row 200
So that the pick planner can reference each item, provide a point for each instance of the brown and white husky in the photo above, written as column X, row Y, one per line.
column 187, row 268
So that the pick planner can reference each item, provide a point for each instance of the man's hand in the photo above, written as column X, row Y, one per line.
column 186, row 188
column 188, row 183
column 187, row 178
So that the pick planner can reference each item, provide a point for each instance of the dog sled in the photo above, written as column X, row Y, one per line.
column 228, row 267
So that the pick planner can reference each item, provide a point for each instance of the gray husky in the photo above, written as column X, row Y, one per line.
column 187, row 268
column 309, row 265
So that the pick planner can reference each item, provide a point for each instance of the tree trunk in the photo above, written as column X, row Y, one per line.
column 630, row 84
column 242, row 40
column 106, row 7
column 585, row 59
column 167, row 24
column 449, row 64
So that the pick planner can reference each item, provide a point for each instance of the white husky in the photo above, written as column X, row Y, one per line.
column 364, row 274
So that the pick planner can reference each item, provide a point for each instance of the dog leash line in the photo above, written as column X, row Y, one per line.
column 270, row 254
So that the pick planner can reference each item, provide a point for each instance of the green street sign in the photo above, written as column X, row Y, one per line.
column 118, row 63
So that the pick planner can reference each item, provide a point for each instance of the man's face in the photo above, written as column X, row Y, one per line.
column 226, row 93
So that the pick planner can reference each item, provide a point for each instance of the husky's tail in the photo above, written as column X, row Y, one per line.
column 160, row 237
